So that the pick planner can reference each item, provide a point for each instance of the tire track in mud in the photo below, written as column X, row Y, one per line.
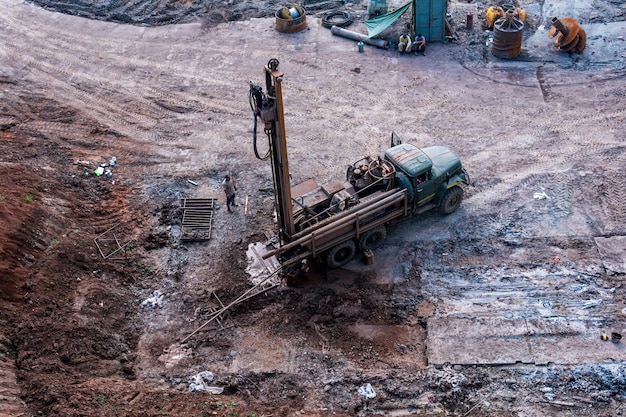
column 365, row 138
column 507, row 208
column 140, row 120
column 545, row 90
column 146, row 12
column 91, row 100
column 515, row 296
column 612, row 198
column 136, row 115
column 563, row 153
column 561, row 194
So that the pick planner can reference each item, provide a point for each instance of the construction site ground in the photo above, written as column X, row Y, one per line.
column 496, row 310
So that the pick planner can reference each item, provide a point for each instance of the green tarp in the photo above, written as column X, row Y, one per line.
column 380, row 23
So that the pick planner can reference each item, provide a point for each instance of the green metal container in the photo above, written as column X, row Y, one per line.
column 430, row 19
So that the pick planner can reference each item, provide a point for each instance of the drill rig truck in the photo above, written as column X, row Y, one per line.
column 331, row 223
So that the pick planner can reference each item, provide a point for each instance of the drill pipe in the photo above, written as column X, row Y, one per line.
column 381, row 43
column 568, row 35
column 568, row 27
column 384, row 200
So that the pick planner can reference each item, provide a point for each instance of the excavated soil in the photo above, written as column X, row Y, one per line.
column 107, row 311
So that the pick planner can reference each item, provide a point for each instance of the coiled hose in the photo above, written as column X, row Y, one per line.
column 330, row 19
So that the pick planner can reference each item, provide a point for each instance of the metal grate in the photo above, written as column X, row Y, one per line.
column 197, row 218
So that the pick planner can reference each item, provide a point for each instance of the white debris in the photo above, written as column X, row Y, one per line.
column 155, row 300
column 541, row 196
column 200, row 383
column 258, row 268
column 215, row 390
column 367, row 391
column 591, row 303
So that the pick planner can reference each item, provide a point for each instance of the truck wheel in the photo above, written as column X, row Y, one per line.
column 403, row 182
column 372, row 239
column 451, row 200
column 341, row 254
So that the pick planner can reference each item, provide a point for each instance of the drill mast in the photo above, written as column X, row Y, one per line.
column 268, row 107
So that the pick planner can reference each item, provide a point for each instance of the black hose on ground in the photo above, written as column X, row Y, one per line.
column 330, row 19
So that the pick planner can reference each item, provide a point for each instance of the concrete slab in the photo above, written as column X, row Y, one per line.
column 496, row 341
column 613, row 253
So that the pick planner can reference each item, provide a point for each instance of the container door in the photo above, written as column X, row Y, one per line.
column 430, row 19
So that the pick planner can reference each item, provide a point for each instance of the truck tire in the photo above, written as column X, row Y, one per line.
column 403, row 182
column 451, row 200
column 340, row 254
column 372, row 239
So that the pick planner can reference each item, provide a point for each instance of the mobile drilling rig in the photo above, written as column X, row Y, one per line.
column 331, row 223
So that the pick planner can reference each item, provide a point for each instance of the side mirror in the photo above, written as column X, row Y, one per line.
column 395, row 139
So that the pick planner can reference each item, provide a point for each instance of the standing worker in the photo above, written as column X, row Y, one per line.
column 229, row 189
column 420, row 44
column 404, row 43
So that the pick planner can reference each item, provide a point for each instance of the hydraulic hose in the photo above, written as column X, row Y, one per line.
column 256, row 102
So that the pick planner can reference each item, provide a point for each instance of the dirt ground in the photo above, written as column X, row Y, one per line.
column 495, row 310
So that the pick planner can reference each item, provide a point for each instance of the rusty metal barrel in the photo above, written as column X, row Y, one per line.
column 507, row 36
column 295, row 22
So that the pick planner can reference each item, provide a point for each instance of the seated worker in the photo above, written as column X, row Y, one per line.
column 419, row 45
column 404, row 44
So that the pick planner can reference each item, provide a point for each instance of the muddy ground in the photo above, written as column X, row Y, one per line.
column 496, row 309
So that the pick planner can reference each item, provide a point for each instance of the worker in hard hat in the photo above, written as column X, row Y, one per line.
column 404, row 43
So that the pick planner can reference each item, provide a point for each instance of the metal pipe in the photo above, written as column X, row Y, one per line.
column 331, row 228
column 293, row 260
column 308, row 224
column 382, row 220
column 397, row 195
column 560, row 26
column 337, row 217
column 380, row 43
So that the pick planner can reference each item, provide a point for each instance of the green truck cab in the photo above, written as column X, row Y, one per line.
column 432, row 176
